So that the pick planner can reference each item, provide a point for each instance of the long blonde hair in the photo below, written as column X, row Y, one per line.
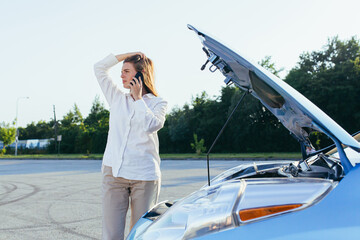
column 146, row 67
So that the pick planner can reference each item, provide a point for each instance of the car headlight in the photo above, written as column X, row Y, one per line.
column 207, row 210
column 263, row 199
column 234, row 203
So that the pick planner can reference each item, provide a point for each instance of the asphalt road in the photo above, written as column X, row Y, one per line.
column 61, row 199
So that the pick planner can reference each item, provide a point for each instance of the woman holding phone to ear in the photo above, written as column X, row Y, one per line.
column 131, row 162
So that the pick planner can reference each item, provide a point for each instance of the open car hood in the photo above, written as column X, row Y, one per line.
column 299, row 115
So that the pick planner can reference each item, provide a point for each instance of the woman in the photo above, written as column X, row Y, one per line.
column 131, row 162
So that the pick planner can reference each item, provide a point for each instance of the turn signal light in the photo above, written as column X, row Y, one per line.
column 252, row 213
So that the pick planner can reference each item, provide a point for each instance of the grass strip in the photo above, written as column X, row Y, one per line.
column 273, row 155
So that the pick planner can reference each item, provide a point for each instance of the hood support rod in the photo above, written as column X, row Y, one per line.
column 221, row 131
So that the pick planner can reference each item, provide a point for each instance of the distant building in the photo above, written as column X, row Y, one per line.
column 31, row 143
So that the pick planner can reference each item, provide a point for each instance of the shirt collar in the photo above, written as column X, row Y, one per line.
column 149, row 95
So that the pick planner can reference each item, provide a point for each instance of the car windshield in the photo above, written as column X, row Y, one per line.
column 352, row 155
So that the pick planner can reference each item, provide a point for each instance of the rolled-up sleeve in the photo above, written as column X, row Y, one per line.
column 152, row 119
column 108, row 87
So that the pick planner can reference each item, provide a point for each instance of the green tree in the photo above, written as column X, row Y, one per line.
column 70, row 128
column 7, row 135
column 96, row 126
column 330, row 79
column 198, row 146
column 39, row 130
column 269, row 65
column 179, row 130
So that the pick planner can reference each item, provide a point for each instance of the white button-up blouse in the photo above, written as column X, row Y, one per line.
column 132, row 148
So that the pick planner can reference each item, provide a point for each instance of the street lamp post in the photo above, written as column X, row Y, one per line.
column 17, row 132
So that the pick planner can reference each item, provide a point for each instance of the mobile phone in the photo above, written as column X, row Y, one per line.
column 139, row 74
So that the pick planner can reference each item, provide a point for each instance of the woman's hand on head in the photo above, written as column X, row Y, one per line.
column 142, row 55
column 136, row 88
column 122, row 57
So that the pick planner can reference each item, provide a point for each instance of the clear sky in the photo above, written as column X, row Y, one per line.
column 48, row 48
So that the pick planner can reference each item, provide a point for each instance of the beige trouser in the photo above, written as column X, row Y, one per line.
column 116, row 192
